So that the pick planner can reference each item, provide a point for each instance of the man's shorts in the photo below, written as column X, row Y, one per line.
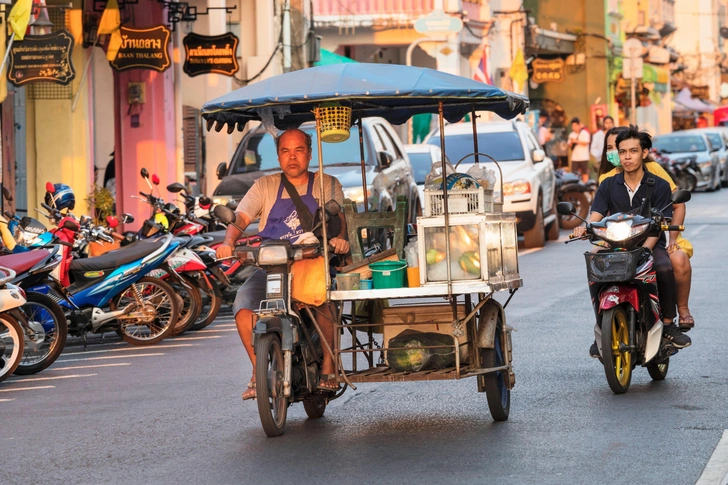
column 251, row 292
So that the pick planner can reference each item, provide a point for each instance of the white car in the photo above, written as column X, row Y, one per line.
column 422, row 156
column 528, row 175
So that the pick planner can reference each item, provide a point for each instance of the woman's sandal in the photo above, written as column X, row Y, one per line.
column 686, row 323
column 249, row 392
column 328, row 383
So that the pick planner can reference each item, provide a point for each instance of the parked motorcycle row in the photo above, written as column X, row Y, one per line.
column 81, row 277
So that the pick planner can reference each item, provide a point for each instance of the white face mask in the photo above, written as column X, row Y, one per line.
column 613, row 158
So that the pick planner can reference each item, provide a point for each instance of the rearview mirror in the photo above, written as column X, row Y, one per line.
column 144, row 173
column 680, row 196
column 155, row 179
column 6, row 194
column 112, row 221
column 224, row 213
column 204, row 202
column 332, row 207
column 176, row 187
column 565, row 208
column 538, row 155
column 127, row 218
column 221, row 170
column 385, row 158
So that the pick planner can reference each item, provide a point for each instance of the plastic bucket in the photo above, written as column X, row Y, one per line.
column 388, row 274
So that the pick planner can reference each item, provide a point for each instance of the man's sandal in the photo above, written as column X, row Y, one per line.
column 328, row 383
column 249, row 392
column 686, row 323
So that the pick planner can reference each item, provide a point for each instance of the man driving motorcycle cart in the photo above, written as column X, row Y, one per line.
column 269, row 200
column 625, row 192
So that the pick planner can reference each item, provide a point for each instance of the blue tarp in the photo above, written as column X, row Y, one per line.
column 391, row 91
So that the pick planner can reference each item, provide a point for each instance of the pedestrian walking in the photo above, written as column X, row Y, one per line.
column 579, row 140
column 597, row 143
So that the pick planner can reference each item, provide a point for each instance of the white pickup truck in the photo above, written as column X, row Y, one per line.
column 528, row 175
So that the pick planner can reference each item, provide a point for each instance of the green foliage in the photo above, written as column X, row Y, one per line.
column 101, row 202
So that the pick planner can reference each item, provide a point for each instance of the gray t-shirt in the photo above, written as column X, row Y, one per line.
column 259, row 200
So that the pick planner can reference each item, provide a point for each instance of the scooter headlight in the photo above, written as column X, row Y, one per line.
column 272, row 255
column 619, row 231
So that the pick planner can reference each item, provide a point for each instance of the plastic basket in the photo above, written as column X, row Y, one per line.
column 467, row 201
column 335, row 121
column 612, row 267
column 388, row 274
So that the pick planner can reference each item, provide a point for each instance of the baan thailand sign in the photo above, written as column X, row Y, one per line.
column 42, row 58
column 143, row 49
column 210, row 54
column 547, row 70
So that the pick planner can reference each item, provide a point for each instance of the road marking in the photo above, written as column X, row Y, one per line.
column 213, row 330
column 78, row 367
column 110, row 357
column 716, row 471
column 27, row 388
column 178, row 339
column 224, row 325
column 49, row 378
column 697, row 230
column 6, row 400
column 126, row 349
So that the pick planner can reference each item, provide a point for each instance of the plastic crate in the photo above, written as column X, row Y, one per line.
column 467, row 201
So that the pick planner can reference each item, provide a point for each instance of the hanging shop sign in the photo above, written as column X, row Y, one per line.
column 547, row 70
column 210, row 54
column 143, row 49
column 42, row 58
column 701, row 92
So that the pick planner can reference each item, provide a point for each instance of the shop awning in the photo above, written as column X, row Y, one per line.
column 549, row 42
column 328, row 58
column 685, row 98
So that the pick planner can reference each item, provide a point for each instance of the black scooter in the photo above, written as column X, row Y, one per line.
column 570, row 188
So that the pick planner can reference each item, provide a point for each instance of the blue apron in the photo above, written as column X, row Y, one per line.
column 283, row 222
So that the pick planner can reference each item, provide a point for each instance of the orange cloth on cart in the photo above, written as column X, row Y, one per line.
column 309, row 281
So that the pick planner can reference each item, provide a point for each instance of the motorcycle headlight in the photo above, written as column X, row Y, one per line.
column 517, row 187
column 356, row 194
column 272, row 255
column 622, row 230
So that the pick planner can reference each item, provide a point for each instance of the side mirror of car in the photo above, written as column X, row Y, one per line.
column 221, row 170
column 385, row 158
column 224, row 213
column 680, row 196
column 538, row 155
column 565, row 208
column 176, row 187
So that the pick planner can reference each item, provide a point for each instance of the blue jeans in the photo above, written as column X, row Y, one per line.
column 251, row 292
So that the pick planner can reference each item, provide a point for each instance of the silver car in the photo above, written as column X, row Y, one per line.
column 718, row 137
column 693, row 143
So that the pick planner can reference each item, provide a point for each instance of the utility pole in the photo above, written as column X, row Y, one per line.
column 286, row 36
column 632, row 66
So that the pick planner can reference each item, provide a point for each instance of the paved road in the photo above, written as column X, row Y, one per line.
column 172, row 413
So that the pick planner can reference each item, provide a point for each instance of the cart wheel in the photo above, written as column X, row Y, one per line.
column 617, row 363
column 272, row 404
column 315, row 406
column 495, row 383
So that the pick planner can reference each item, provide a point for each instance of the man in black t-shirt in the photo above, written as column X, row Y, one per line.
column 626, row 191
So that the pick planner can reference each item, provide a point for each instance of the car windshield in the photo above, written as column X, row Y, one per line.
column 421, row 165
column 682, row 143
column 503, row 146
column 261, row 152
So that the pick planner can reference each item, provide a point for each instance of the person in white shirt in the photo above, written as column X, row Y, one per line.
column 597, row 144
column 579, row 140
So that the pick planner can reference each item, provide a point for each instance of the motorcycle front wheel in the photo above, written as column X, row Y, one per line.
column 190, row 304
column 45, row 333
column 616, row 359
column 211, row 303
column 269, row 370
column 658, row 372
column 151, row 317
column 12, row 343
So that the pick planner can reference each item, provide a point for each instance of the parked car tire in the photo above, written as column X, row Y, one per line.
column 536, row 236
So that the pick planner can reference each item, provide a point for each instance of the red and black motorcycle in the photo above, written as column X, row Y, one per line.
column 629, row 320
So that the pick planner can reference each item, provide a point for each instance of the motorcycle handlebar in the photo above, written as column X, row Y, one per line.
column 673, row 228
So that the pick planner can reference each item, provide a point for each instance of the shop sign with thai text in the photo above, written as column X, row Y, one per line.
column 42, row 58
column 210, row 54
column 701, row 92
column 143, row 49
column 547, row 70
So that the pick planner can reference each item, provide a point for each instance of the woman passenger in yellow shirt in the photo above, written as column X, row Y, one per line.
column 680, row 249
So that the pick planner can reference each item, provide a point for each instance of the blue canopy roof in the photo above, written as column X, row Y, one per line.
column 391, row 91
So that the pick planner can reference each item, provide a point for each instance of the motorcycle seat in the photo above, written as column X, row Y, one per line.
column 198, row 240
column 114, row 259
column 22, row 262
column 217, row 237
